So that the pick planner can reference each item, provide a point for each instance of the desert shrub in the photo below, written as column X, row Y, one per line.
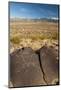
column 15, row 40
column 54, row 36
column 42, row 37
column 49, row 36
column 38, row 37
column 33, row 37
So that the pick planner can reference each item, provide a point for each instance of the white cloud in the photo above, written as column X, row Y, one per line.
column 55, row 18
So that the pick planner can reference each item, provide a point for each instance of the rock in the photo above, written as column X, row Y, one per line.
column 49, row 64
column 30, row 68
column 25, row 68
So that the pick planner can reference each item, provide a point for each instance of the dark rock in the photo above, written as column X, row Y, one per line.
column 30, row 68
column 49, row 64
column 25, row 68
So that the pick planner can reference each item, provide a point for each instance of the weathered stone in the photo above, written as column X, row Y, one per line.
column 30, row 68
column 25, row 68
column 50, row 65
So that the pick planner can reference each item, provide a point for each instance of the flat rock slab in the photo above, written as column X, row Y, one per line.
column 50, row 65
column 25, row 68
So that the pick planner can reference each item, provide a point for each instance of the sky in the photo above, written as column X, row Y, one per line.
column 33, row 11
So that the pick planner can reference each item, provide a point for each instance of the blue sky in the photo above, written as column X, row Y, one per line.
column 32, row 11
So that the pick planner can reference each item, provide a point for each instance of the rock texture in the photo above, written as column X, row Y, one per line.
column 49, row 65
column 25, row 68
column 30, row 68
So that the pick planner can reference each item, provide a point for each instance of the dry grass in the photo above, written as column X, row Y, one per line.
column 32, row 34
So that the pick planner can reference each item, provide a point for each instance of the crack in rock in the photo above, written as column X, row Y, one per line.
column 50, row 64
column 30, row 68
column 38, row 52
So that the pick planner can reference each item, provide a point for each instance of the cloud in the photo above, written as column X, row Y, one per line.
column 55, row 18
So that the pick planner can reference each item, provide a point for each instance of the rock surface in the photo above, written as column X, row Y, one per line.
column 25, row 68
column 49, row 64
column 30, row 68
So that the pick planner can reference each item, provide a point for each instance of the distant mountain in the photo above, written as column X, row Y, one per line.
column 50, row 19
column 39, row 19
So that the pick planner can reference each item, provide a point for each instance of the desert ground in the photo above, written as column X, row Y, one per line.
column 34, row 34
column 35, row 43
